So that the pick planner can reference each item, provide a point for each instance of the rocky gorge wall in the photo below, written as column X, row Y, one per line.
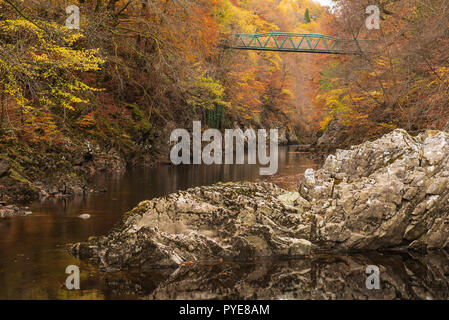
column 26, row 174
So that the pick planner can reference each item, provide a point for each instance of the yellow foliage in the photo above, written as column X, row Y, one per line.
column 206, row 93
column 50, row 60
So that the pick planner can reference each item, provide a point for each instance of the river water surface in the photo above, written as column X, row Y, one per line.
column 33, row 249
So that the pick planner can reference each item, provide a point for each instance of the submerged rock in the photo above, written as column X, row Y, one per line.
column 389, row 193
column 12, row 210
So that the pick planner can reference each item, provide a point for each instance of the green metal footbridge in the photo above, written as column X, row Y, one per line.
column 299, row 42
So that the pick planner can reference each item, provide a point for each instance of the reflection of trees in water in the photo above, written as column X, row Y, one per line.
column 292, row 171
column 32, row 253
column 323, row 277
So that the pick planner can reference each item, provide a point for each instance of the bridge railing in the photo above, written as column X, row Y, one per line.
column 299, row 42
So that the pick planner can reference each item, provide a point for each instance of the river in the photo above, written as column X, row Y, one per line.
column 34, row 257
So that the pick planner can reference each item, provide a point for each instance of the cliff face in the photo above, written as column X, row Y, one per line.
column 389, row 193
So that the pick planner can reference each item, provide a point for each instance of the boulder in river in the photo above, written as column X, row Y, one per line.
column 391, row 193
column 232, row 221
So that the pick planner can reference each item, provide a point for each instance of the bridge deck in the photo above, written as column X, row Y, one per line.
column 298, row 42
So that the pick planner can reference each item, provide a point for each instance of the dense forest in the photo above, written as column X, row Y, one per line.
column 401, row 81
column 75, row 101
column 92, row 206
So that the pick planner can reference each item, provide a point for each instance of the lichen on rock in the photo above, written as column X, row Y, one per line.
column 225, row 221
column 382, row 194
column 385, row 194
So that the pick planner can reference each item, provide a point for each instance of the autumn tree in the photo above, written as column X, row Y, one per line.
column 41, row 73
column 401, row 79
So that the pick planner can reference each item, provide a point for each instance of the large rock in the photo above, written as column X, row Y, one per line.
column 389, row 193
column 236, row 221
column 332, row 136
column 292, row 137
column 160, row 145
column 287, row 136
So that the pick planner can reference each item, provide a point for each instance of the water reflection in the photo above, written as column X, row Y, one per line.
column 32, row 248
column 324, row 277
column 33, row 255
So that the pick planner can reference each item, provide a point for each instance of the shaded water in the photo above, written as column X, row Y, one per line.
column 33, row 255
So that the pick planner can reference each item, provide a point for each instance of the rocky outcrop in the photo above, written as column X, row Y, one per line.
column 332, row 136
column 4, row 167
column 385, row 194
column 391, row 192
column 237, row 221
column 161, row 147
column 287, row 136
column 27, row 174
column 12, row 210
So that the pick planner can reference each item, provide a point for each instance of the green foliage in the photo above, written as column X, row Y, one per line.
column 137, row 113
column 330, row 76
column 141, row 126
column 307, row 16
column 333, row 94
column 214, row 118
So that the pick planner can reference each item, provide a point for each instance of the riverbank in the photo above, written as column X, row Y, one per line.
column 33, row 254
column 29, row 172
